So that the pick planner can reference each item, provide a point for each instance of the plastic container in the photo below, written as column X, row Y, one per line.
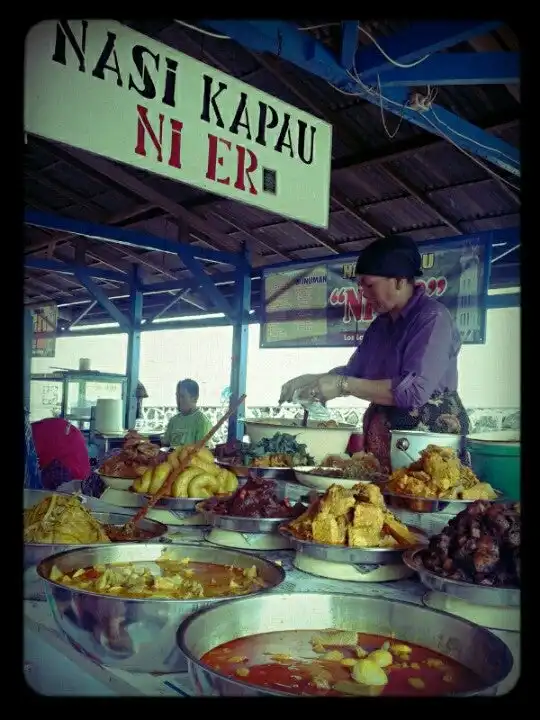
column 496, row 459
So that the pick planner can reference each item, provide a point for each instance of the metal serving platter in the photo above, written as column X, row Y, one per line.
column 350, row 555
column 136, row 634
column 476, row 594
column 241, row 524
column 413, row 503
column 169, row 503
column 471, row 645
column 243, row 471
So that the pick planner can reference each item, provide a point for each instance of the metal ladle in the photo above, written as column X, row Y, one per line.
column 403, row 445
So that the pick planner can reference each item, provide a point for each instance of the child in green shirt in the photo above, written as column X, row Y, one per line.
column 190, row 425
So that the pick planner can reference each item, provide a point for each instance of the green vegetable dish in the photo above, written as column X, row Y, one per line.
column 281, row 450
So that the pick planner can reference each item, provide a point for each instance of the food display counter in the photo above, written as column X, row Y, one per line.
column 53, row 667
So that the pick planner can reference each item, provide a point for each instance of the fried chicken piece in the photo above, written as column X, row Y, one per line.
column 443, row 466
column 328, row 530
column 416, row 483
column 369, row 493
column 480, row 491
column 337, row 501
column 467, row 479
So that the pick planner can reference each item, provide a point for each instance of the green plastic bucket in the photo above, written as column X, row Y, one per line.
column 496, row 459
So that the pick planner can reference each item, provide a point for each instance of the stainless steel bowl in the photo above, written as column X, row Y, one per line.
column 241, row 524
column 412, row 503
column 351, row 555
column 476, row 594
column 473, row 646
column 137, row 635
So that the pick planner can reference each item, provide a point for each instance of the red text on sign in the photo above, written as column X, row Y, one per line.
column 144, row 129
column 246, row 163
column 356, row 308
column 433, row 286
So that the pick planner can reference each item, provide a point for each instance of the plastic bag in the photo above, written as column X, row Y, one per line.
column 317, row 412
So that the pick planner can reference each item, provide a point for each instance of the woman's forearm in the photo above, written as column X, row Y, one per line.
column 375, row 391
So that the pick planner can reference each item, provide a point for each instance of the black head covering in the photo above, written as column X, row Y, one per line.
column 393, row 257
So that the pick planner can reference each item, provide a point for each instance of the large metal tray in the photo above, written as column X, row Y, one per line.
column 136, row 635
column 475, row 647
column 413, row 503
column 240, row 524
column 243, row 471
column 476, row 594
column 350, row 555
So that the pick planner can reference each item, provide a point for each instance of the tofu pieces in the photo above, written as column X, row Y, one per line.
column 328, row 529
column 366, row 526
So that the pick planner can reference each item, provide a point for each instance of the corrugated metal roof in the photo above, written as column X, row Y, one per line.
column 367, row 185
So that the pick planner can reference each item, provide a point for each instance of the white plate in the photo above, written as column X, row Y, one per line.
column 321, row 482
column 117, row 483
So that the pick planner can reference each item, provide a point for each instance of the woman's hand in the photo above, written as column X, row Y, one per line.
column 323, row 388
column 296, row 384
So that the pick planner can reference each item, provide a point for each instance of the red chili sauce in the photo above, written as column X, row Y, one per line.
column 289, row 662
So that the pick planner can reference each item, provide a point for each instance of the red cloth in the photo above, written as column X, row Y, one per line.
column 57, row 439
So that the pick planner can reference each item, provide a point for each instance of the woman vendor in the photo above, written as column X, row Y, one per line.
column 406, row 366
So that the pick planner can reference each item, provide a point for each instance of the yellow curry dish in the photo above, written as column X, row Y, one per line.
column 439, row 474
column 169, row 579
column 354, row 518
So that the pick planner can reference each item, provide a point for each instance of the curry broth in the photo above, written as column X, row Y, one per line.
column 165, row 579
column 305, row 670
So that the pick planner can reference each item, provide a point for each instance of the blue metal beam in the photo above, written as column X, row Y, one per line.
column 475, row 68
column 417, row 40
column 82, row 314
column 121, row 236
column 505, row 300
column 349, row 42
column 287, row 42
column 28, row 337
column 72, row 268
column 99, row 295
column 240, row 351
column 133, row 348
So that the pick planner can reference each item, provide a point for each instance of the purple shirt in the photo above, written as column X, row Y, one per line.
column 417, row 351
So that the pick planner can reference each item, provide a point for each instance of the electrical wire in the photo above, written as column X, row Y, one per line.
column 378, row 93
column 498, row 177
column 387, row 56
column 390, row 135
column 436, row 127
column 486, row 147
column 201, row 30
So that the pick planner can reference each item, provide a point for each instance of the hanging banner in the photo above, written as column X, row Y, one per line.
column 99, row 86
column 45, row 320
column 321, row 305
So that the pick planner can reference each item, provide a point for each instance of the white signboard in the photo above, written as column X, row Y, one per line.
column 99, row 86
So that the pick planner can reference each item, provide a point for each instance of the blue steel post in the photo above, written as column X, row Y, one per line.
column 133, row 348
column 240, row 348
column 27, row 356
